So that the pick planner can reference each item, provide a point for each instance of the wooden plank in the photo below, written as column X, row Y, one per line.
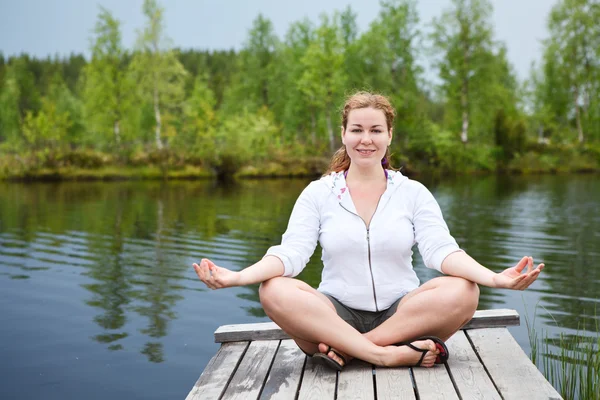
column 216, row 375
column 258, row 331
column 470, row 377
column 250, row 375
column 270, row 330
column 284, row 379
column 356, row 381
column 515, row 376
column 394, row 383
column 493, row 318
column 318, row 381
column 434, row 383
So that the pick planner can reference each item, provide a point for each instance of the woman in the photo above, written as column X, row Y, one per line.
column 367, row 217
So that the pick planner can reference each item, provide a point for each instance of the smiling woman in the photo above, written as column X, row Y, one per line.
column 367, row 217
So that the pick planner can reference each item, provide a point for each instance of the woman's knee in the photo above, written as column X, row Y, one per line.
column 274, row 291
column 462, row 293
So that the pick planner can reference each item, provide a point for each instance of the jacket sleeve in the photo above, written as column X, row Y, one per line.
column 300, row 238
column 431, row 232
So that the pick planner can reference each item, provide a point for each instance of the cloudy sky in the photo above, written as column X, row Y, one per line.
column 49, row 27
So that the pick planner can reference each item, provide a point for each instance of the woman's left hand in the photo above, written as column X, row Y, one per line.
column 514, row 278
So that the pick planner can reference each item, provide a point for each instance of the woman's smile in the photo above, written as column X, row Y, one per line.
column 365, row 152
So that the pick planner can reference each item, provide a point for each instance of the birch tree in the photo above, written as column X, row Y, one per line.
column 322, row 81
column 463, row 38
column 160, row 75
column 106, row 85
column 575, row 42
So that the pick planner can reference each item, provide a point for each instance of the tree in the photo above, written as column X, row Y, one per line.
column 399, row 26
column 289, row 105
column 160, row 75
column 10, row 117
column 253, row 86
column 47, row 128
column 19, row 96
column 257, row 56
column 463, row 37
column 323, row 80
column 199, row 119
column 106, row 85
column 575, row 38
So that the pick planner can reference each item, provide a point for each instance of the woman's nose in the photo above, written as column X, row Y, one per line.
column 366, row 138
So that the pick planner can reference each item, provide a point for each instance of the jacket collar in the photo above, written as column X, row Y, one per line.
column 336, row 182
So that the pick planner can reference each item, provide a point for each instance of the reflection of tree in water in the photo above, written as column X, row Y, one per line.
column 158, row 295
column 122, row 277
column 112, row 290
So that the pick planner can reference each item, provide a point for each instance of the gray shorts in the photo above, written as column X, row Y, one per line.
column 363, row 321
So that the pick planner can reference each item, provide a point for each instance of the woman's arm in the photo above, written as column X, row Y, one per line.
column 462, row 265
column 216, row 277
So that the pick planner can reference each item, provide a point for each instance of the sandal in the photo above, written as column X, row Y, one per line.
column 330, row 362
column 441, row 346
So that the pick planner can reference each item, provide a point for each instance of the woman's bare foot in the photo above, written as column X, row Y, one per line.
column 331, row 354
column 404, row 356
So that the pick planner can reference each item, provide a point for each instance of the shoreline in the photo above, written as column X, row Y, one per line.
column 193, row 173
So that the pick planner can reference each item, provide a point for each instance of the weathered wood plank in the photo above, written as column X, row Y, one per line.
column 515, row 376
column 434, row 383
column 318, row 381
column 356, row 381
column 284, row 379
column 250, row 375
column 470, row 377
column 493, row 318
column 217, row 373
column 394, row 383
column 270, row 330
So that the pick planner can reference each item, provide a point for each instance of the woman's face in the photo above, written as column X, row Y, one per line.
column 366, row 136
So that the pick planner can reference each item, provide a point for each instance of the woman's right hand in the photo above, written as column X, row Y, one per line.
column 216, row 277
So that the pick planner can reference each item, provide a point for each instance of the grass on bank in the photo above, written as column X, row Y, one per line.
column 300, row 161
column 571, row 363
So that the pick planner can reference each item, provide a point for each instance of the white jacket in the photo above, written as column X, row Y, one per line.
column 365, row 268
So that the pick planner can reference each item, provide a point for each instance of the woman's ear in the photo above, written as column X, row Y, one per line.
column 343, row 134
column 390, row 135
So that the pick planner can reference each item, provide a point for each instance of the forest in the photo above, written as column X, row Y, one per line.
column 272, row 107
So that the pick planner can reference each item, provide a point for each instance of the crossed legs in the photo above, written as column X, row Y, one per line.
column 439, row 307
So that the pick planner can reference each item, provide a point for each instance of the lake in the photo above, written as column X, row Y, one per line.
column 98, row 298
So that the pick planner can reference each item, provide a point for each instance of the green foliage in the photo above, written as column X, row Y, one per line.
column 509, row 136
column 252, row 111
column 199, row 118
column 322, row 81
column 567, row 89
column 108, row 88
column 244, row 138
column 159, row 75
column 10, row 117
column 48, row 128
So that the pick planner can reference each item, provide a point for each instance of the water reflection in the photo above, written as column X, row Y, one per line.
column 130, row 245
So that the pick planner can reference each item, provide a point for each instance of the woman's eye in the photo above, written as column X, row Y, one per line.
column 376, row 131
column 356, row 130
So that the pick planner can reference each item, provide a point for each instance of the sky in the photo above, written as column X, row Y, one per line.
column 60, row 27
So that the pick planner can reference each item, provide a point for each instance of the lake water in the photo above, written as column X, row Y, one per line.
column 98, row 298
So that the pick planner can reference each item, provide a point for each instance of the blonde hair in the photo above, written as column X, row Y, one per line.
column 340, row 160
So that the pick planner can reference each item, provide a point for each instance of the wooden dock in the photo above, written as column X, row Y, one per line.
column 259, row 361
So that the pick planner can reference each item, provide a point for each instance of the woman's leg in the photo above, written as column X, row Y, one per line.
column 439, row 307
column 310, row 318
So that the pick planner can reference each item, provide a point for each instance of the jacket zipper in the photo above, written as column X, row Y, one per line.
column 369, row 251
